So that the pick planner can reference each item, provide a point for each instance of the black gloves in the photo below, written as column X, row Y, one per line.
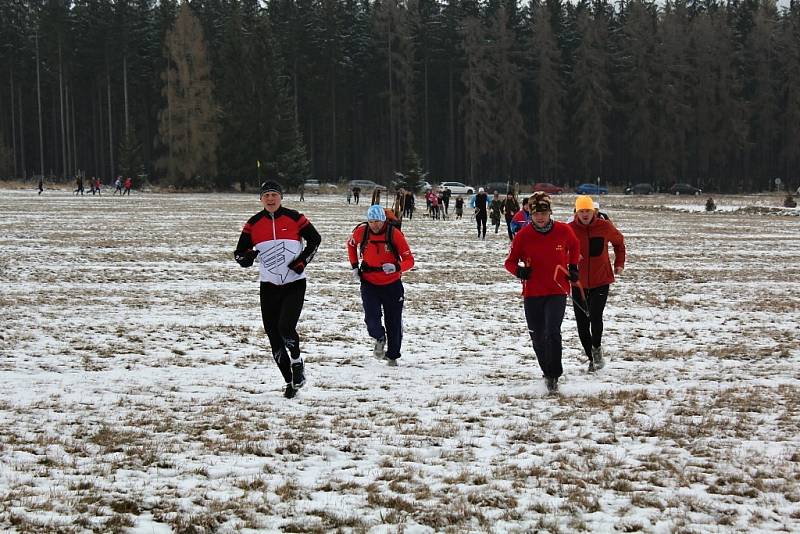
column 298, row 266
column 523, row 272
column 573, row 273
column 245, row 259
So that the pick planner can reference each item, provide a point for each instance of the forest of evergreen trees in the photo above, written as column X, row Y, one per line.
column 195, row 94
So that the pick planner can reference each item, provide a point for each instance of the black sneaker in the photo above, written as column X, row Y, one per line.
column 289, row 392
column 552, row 385
column 591, row 368
column 298, row 375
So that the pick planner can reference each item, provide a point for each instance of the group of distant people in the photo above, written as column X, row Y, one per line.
column 121, row 186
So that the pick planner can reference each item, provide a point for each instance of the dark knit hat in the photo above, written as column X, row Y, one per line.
column 540, row 201
column 271, row 187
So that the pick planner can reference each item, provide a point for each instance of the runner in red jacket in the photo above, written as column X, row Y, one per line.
column 544, row 255
column 596, row 275
column 379, row 254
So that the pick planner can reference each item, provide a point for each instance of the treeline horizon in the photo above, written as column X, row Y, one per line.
column 224, row 93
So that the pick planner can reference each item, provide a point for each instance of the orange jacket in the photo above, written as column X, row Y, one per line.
column 595, row 266
column 377, row 252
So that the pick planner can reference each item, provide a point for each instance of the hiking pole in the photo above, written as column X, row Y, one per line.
column 585, row 307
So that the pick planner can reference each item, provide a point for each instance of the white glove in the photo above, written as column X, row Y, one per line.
column 389, row 268
column 356, row 274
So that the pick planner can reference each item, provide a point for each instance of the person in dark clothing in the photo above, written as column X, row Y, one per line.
column 459, row 207
column 545, row 255
column 41, row 184
column 446, row 194
column 409, row 205
column 481, row 212
column 79, row 184
column 275, row 237
column 379, row 254
column 596, row 276
column 356, row 194
column 510, row 208
column 496, row 208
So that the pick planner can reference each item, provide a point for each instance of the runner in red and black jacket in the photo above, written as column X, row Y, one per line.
column 544, row 255
column 594, row 234
column 379, row 254
column 275, row 237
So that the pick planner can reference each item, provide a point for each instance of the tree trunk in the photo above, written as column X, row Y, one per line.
column 392, row 133
column 39, row 100
column 61, row 111
column 426, row 130
column 125, row 90
column 72, row 122
column 13, row 122
column 110, row 125
column 21, row 134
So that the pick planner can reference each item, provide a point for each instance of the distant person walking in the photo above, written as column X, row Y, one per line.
column 275, row 237
column 79, row 184
column 356, row 194
column 302, row 192
column 495, row 208
column 41, row 184
column 128, row 186
column 97, row 185
column 379, row 254
column 510, row 208
column 481, row 204
column 545, row 255
column 459, row 207
column 596, row 275
column 118, row 186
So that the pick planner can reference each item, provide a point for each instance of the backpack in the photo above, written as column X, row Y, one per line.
column 392, row 223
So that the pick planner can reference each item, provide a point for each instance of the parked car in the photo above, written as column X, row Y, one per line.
column 365, row 185
column 500, row 187
column 591, row 189
column 311, row 186
column 548, row 188
column 639, row 189
column 684, row 189
column 457, row 188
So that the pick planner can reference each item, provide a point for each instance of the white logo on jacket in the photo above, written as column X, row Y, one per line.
column 274, row 258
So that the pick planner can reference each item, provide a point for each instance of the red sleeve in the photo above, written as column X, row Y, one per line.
column 618, row 242
column 403, row 250
column 512, row 261
column 352, row 245
column 574, row 246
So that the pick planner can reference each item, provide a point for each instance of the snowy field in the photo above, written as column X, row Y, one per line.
column 137, row 392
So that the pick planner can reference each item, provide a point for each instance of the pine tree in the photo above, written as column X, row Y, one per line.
column 549, row 93
column 188, row 123
column 476, row 104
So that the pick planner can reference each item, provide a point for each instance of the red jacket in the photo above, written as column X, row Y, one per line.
column 595, row 267
column 377, row 252
column 543, row 253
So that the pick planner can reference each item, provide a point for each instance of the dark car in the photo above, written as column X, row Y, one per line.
column 548, row 188
column 591, row 189
column 639, row 189
column 500, row 187
column 684, row 189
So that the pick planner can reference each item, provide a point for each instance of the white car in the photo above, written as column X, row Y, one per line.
column 457, row 188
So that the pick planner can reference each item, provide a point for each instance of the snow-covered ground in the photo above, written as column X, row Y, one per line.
column 137, row 392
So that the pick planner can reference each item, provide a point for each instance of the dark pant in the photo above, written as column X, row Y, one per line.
column 544, row 316
column 481, row 217
column 388, row 300
column 280, row 311
column 508, row 227
column 590, row 329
